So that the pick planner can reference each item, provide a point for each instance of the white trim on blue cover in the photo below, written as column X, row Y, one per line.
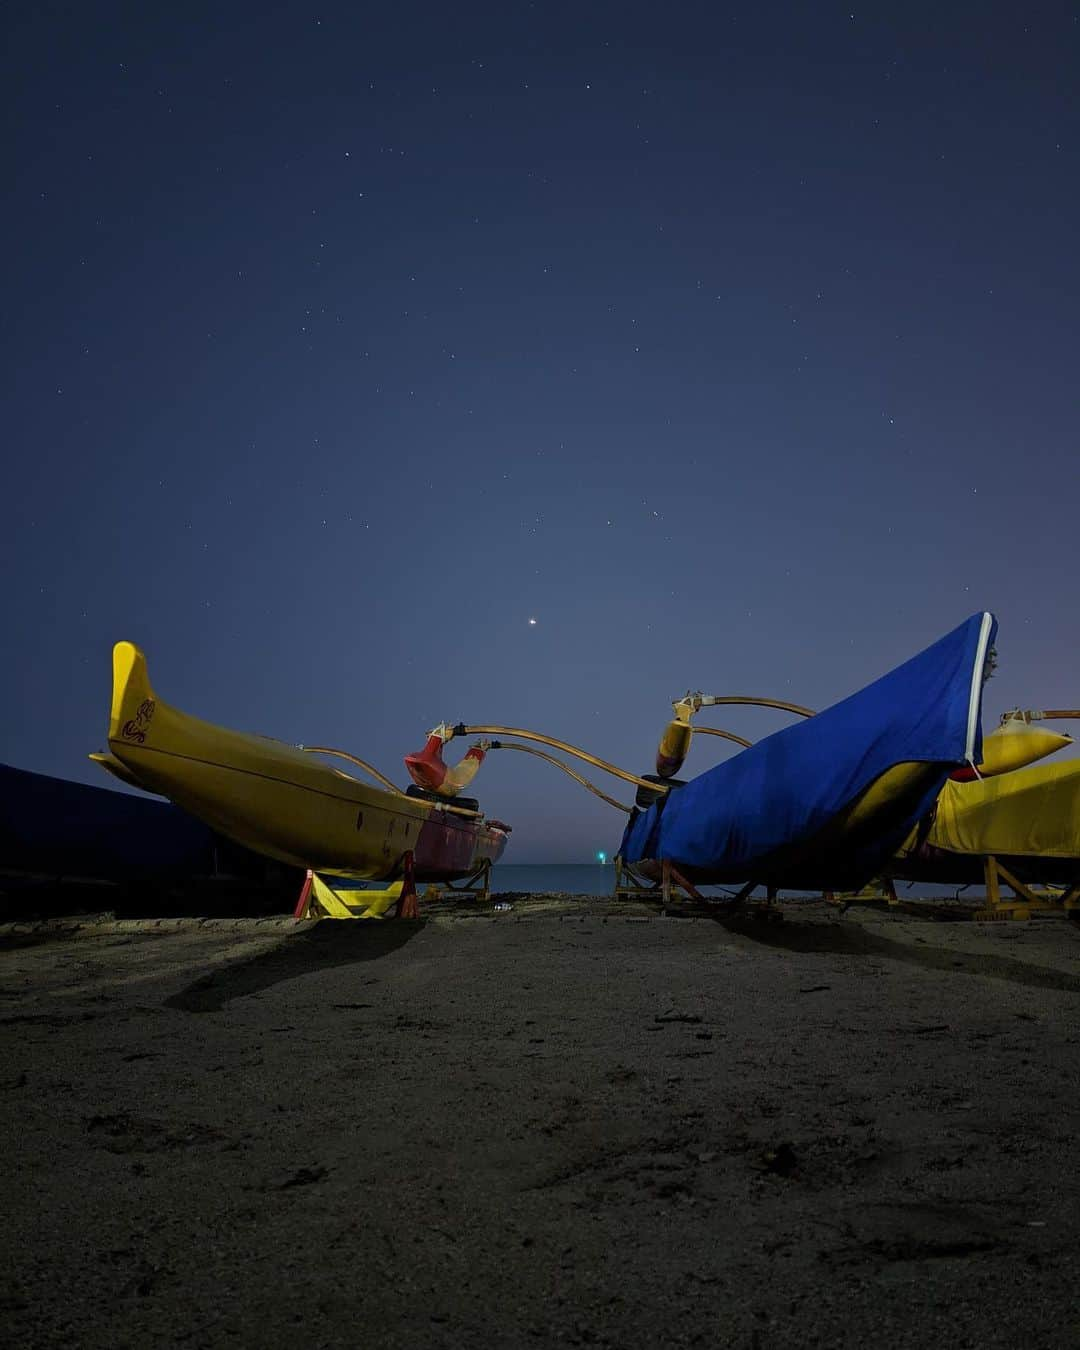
column 978, row 671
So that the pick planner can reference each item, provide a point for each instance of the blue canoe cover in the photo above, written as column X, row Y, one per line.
column 783, row 790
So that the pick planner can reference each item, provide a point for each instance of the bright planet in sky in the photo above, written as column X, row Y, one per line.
column 532, row 623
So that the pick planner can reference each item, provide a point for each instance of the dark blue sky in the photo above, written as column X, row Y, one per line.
column 737, row 346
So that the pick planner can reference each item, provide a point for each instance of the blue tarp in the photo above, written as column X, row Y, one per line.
column 748, row 818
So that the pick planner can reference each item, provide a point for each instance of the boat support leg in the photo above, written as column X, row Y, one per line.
column 671, row 874
column 303, row 900
column 759, row 909
column 741, row 898
column 628, row 885
column 407, row 908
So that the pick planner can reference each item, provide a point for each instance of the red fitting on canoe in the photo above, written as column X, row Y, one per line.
column 427, row 769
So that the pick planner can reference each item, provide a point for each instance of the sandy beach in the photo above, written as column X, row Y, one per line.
column 565, row 1123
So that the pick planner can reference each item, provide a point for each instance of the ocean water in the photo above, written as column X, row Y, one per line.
column 571, row 878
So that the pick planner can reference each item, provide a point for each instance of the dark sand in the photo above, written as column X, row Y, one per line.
column 562, row 1124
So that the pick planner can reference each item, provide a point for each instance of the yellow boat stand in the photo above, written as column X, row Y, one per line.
column 321, row 899
column 880, row 892
column 1026, row 899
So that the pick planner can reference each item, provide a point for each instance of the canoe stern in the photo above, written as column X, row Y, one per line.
column 131, row 716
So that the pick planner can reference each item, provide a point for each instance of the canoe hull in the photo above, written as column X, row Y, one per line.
column 1029, row 820
column 349, row 829
column 281, row 802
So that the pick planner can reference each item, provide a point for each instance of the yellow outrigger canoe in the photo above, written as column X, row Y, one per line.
column 278, row 799
column 1028, row 819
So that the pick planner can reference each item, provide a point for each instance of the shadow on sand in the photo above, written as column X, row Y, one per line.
column 326, row 946
column 852, row 939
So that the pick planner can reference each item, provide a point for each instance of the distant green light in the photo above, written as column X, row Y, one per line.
column 601, row 856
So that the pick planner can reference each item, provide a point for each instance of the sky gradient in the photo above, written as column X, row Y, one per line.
column 736, row 347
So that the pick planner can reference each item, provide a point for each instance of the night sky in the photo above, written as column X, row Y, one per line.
column 736, row 346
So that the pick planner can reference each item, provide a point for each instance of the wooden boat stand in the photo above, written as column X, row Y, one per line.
column 331, row 905
column 629, row 886
column 766, row 909
column 1026, row 899
column 476, row 887
column 880, row 892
